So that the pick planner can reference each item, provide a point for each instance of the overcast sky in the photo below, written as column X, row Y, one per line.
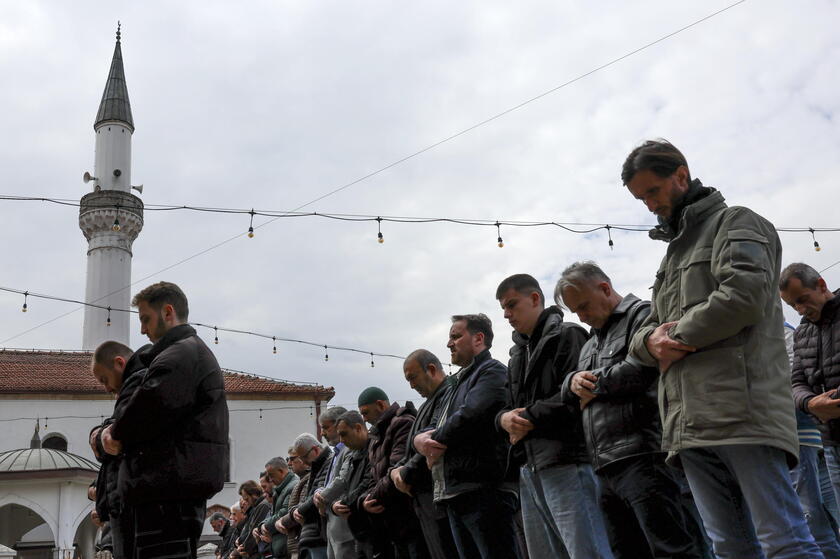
column 272, row 104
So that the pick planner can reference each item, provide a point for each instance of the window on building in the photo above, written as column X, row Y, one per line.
column 55, row 442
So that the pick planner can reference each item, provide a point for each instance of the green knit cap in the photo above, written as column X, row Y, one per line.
column 372, row 394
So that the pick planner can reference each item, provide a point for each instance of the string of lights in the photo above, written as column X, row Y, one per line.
column 581, row 228
column 215, row 328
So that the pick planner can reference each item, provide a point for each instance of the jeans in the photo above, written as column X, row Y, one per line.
column 435, row 526
column 482, row 523
column 561, row 515
column 643, row 510
column 806, row 483
column 747, row 502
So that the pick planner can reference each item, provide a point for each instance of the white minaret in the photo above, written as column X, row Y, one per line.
column 110, row 217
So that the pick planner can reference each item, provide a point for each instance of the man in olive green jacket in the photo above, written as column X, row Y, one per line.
column 277, row 469
column 715, row 332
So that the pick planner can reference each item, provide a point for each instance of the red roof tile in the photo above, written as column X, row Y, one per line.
column 68, row 372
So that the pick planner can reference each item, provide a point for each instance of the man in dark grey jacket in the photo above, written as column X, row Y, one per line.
column 557, row 488
column 640, row 496
column 424, row 373
column 815, row 374
column 715, row 333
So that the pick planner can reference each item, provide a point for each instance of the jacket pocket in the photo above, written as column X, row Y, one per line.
column 696, row 279
column 715, row 389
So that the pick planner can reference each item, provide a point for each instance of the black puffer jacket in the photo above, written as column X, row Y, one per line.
column 174, row 429
column 623, row 420
column 538, row 366
column 816, row 362
column 108, row 500
column 476, row 454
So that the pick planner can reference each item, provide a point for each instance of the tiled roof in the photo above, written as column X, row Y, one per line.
column 68, row 372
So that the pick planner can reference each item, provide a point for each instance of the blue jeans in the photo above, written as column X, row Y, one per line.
column 747, row 502
column 806, row 482
column 482, row 523
column 561, row 515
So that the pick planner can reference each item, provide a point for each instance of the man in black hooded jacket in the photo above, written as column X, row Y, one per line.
column 556, row 485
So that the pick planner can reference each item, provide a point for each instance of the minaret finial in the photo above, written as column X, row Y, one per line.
column 118, row 31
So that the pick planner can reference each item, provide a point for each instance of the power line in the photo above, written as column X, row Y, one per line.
column 413, row 155
column 215, row 328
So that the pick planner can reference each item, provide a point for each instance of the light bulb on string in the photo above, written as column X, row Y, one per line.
column 816, row 243
column 216, row 335
column 379, row 238
column 45, row 422
column 326, row 354
column 274, row 349
column 25, row 295
column 116, row 226
column 108, row 321
column 499, row 232
column 371, row 360
column 251, row 225
column 609, row 235
column 260, row 414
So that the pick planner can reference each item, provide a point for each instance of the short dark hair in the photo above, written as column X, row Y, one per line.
column 105, row 353
column 577, row 273
column 477, row 323
column 217, row 516
column 277, row 463
column 352, row 418
column 332, row 414
column 251, row 488
column 803, row 272
column 424, row 358
column 524, row 284
column 660, row 157
column 164, row 293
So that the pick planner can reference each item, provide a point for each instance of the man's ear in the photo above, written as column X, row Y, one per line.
column 119, row 363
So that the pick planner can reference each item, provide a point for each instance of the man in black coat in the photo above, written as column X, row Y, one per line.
column 313, row 531
column 120, row 371
column 173, row 432
column 640, row 495
column 557, row 487
column 424, row 373
column 466, row 454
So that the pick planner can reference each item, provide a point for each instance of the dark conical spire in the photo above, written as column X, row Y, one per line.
column 115, row 104
column 35, row 442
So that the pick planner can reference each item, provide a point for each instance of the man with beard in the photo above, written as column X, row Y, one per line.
column 173, row 432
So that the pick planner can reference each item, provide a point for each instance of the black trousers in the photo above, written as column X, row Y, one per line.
column 643, row 510
column 168, row 530
column 122, row 533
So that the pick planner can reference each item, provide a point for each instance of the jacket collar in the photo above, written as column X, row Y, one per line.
column 175, row 334
column 136, row 362
column 286, row 481
column 548, row 319
column 483, row 356
column 698, row 202
column 829, row 310
column 384, row 421
column 326, row 454
column 618, row 312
